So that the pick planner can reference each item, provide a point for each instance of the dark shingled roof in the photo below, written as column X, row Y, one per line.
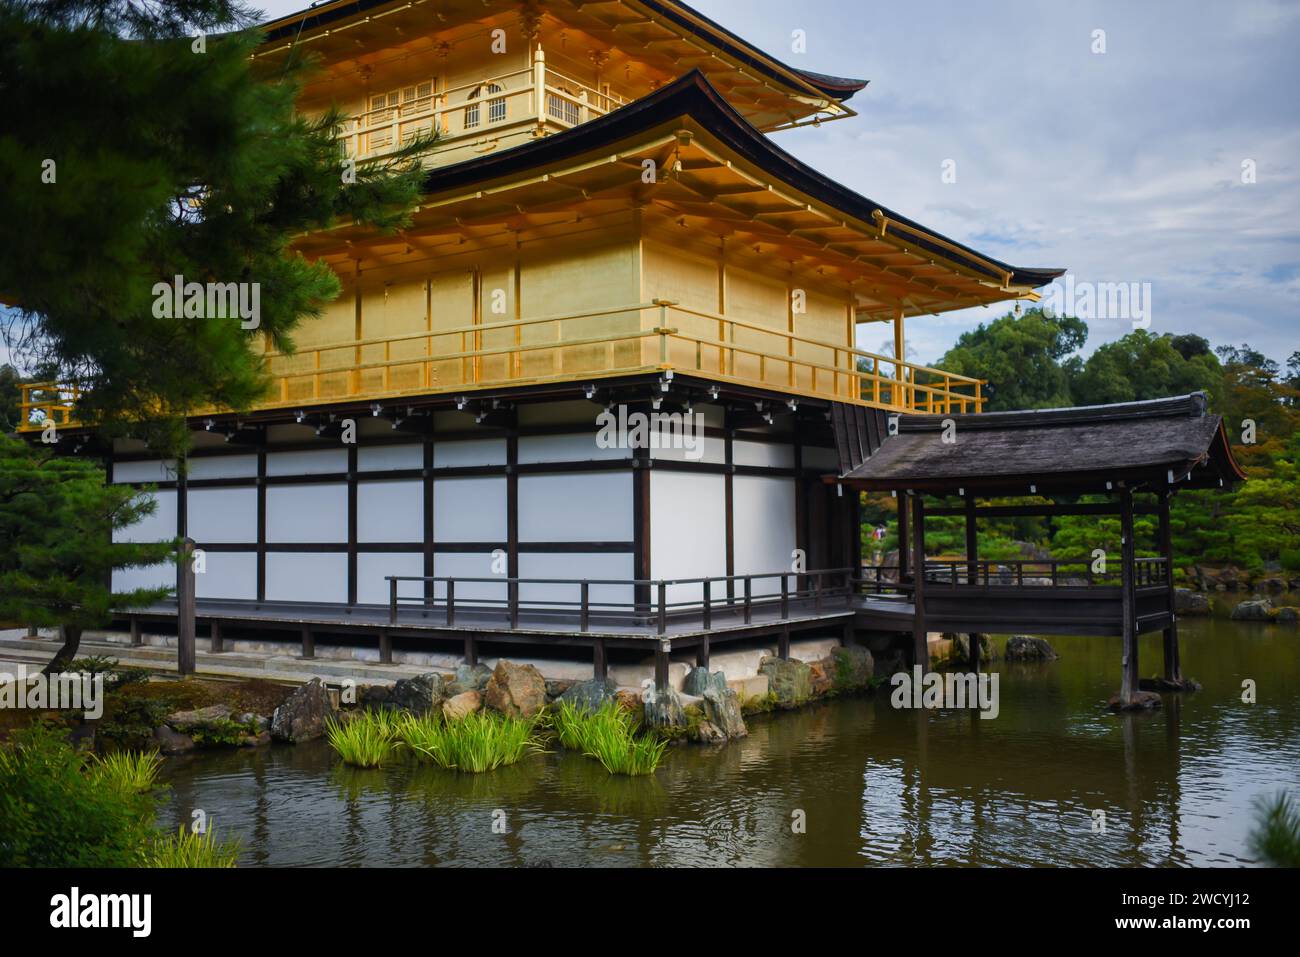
column 1063, row 450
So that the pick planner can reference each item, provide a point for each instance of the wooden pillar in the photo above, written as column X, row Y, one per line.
column 661, row 665
column 471, row 651
column 34, row 632
column 599, row 660
column 385, row 648
column 185, row 624
column 900, row 353
column 217, row 644
column 974, row 640
column 783, row 643
column 308, row 642
column 702, row 653
column 972, row 544
column 137, row 637
column 920, row 650
column 1129, row 683
column 1173, row 664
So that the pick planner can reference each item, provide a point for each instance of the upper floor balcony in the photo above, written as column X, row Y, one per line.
column 471, row 118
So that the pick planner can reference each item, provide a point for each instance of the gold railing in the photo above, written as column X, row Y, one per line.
column 45, row 403
column 656, row 336
column 484, row 108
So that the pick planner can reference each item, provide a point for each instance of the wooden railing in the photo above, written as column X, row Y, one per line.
column 1020, row 573
column 646, row 608
column 485, row 107
column 641, row 337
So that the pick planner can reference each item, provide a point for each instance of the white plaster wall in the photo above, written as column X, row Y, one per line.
column 764, row 515
column 578, row 566
column 227, row 575
column 469, row 452
column 307, row 513
column 150, row 576
column 304, row 576
column 151, row 471
column 468, row 565
column 774, row 455
column 576, row 507
column 566, row 448
column 311, row 462
column 158, row 527
column 220, row 515
column 373, row 566
column 223, row 467
column 688, row 529
column 384, row 458
column 390, row 511
column 471, row 509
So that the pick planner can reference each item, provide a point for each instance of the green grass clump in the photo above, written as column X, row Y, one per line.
column 476, row 743
column 187, row 849
column 608, row 734
column 368, row 740
column 131, row 772
column 1276, row 837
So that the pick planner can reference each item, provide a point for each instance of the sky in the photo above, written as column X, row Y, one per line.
column 1124, row 166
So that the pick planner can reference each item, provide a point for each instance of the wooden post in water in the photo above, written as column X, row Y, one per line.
column 185, row 609
column 661, row 665
column 920, row 647
column 972, row 545
column 1173, row 664
column 1128, row 688
column 599, row 660
column 903, row 563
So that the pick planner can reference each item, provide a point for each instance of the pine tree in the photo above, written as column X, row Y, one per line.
column 135, row 150
column 57, row 556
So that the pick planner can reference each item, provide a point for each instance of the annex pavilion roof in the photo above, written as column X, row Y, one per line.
column 1173, row 442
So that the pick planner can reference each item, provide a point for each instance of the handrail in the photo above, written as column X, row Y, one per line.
column 641, row 611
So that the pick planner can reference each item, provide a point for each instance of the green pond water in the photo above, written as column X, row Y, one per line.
column 875, row 785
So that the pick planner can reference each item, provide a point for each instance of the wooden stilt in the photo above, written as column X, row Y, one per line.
column 308, row 643
column 702, row 653
column 385, row 648
column 217, row 644
column 137, row 636
column 974, row 651
column 1173, row 664
column 471, row 651
column 783, row 644
column 661, row 665
column 33, row 632
column 920, row 647
column 599, row 660
column 1128, row 688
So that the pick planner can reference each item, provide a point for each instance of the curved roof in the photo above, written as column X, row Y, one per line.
column 1175, row 442
column 692, row 95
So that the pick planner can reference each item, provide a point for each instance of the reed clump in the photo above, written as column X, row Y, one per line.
column 476, row 743
column 608, row 734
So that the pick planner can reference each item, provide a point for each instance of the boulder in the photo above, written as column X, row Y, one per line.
column 722, row 710
column 187, row 722
column 556, row 687
column 629, row 699
column 1142, row 701
column 819, row 677
column 851, row 668
column 1188, row 602
column 1029, row 648
column 663, row 709
column 373, row 697
column 790, row 681
column 961, row 649
column 255, row 740
column 1274, row 586
column 698, row 679
column 589, row 695
column 1260, row 610
column 1288, row 613
column 468, row 678
column 421, row 695
column 303, row 715
column 515, row 690
column 261, row 722
column 172, row 742
column 462, row 705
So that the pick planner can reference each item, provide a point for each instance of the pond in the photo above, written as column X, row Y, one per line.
column 872, row 785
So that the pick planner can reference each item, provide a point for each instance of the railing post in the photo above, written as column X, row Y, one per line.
column 392, row 600
column 514, row 602
column 749, row 599
column 663, row 607
column 451, row 601
column 585, row 613
column 185, row 614
column 708, row 604
column 785, row 596
column 817, row 590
